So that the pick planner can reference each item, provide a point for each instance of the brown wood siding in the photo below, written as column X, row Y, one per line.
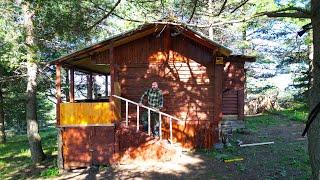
column 191, row 49
column 234, row 79
column 138, row 51
column 84, row 146
column 230, row 102
column 184, row 74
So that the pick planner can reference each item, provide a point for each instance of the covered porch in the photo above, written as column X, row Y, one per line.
column 83, row 93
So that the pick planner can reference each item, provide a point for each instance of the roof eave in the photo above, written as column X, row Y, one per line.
column 222, row 49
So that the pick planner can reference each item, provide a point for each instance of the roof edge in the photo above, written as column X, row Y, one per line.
column 236, row 57
column 224, row 50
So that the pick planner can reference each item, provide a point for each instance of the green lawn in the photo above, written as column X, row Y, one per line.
column 298, row 112
column 287, row 158
column 15, row 161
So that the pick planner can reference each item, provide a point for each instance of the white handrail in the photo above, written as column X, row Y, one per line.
column 154, row 110
column 149, row 119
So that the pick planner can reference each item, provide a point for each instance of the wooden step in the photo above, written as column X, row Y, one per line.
column 139, row 146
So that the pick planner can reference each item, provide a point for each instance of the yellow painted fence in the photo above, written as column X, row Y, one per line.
column 86, row 113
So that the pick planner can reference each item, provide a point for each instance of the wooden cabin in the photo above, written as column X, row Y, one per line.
column 201, row 82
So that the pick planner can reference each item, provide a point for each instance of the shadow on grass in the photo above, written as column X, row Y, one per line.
column 15, row 159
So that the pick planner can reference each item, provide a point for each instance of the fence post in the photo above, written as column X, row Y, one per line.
column 171, row 130
column 138, row 117
column 127, row 109
column 149, row 123
column 160, row 129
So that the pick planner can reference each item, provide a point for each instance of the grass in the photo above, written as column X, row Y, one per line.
column 15, row 157
column 253, row 123
column 298, row 112
column 287, row 158
column 50, row 172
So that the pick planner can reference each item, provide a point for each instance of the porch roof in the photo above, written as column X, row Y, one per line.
column 81, row 59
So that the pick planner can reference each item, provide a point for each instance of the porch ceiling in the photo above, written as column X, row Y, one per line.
column 85, row 64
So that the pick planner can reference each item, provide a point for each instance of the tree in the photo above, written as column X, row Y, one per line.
column 43, row 22
column 10, row 57
column 2, row 130
column 34, row 138
column 314, row 132
column 311, row 11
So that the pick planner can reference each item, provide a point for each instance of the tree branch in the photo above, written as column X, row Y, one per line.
column 12, row 78
column 298, row 13
column 188, row 24
column 293, row 15
column 222, row 7
column 105, row 16
column 128, row 19
column 242, row 4
column 193, row 10
column 291, row 8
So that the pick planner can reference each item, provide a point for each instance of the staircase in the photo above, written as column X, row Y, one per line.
column 139, row 146
column 133, row 144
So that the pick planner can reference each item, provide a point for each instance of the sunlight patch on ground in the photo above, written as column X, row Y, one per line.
column 182, row 164
column 176, row 166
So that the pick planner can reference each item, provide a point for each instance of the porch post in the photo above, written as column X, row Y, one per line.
column 71, row 88
column 114, row 79
column 218, row 80
column 89, row 88
column 58, row 92
column 241, row 94
column 241, row 104
column 106, row 85
column 112, row 70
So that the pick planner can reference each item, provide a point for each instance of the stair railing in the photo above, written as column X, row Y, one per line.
column 149, row 119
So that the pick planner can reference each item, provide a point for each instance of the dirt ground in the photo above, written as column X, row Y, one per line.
column 285, row 159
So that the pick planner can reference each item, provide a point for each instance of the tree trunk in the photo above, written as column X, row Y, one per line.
column 2, row 129
column 210, row 4
column 314, row 131
column 34, row 138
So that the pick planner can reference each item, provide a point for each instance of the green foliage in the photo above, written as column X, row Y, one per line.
column 261, row 90
column 50, row 172
column 14, row 106
column 11, row 46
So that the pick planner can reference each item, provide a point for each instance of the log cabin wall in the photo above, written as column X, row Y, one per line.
column 233, row 89
column 185, row 69
column 184, row 73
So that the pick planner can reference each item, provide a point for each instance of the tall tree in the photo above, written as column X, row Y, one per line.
column 2, row 130
column 45, row 24
column 34, row 138
column 9, row 57
column 314, row 132
column 311, row 11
